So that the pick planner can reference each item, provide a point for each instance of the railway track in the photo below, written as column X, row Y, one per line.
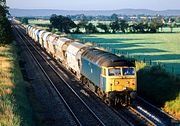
column 135, row 118
column 147, row 114
column 153, row 113
column 143, row 118
column 82, row 114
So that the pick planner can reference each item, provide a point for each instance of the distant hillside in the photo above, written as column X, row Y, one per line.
column 48, row 12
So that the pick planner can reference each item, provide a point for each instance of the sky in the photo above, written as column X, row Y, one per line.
column 94, row 4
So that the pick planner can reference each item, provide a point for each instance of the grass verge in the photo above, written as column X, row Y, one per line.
column 15, row 109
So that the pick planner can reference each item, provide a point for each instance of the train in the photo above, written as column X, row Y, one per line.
column 111, row 77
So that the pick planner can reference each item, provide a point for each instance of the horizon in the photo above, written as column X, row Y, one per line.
column 95, row 4
column 91, row 10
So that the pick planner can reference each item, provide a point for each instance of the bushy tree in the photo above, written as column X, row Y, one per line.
column 90, row 28
column 63, row 24
column 103, row 27
column 114, row 26
column 82, row 24
column 123, row 25
column 119, row 25
column 5, row 26
column 146, row 26
column 24, row 20
column 154, row 25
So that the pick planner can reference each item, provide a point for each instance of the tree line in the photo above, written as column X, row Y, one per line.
column 65, row 24
column 5, row 26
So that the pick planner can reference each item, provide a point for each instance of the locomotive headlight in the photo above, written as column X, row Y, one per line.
column 128, row 84
column 117, row 82
column 125, row 88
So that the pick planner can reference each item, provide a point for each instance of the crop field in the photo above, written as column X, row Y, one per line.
column 156, row 48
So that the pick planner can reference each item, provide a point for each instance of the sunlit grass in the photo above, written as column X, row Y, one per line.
column 7, row 116
column 173, row 107
column 14, row 106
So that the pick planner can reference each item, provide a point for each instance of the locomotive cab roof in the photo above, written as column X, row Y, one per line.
column 106, row 59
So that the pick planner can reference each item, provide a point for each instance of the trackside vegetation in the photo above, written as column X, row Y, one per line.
column 160, row 88
column 15, row 108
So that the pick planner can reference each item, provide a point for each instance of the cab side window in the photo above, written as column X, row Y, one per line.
column 104, row 71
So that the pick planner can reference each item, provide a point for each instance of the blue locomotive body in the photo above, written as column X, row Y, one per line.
column 93, row 73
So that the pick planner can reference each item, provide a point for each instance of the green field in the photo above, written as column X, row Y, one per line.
column 157, row 48
column 38, row 21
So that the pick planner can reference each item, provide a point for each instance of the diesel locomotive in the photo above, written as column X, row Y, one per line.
column 111, row 77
